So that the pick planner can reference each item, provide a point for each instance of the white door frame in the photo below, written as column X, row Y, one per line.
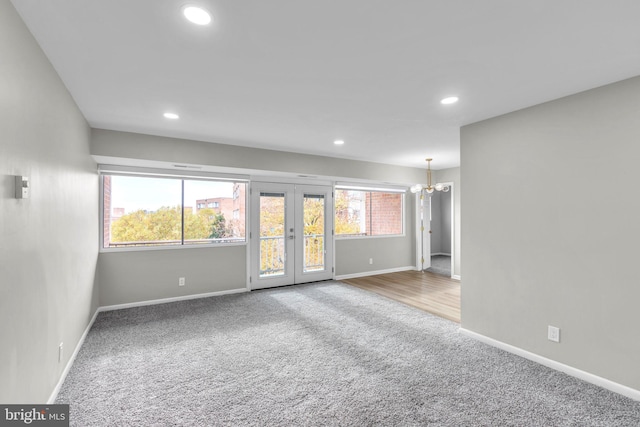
column 423, row 236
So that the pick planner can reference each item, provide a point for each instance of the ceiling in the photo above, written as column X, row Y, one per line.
column 295, row 75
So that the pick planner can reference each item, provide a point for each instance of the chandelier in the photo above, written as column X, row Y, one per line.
column 429, row 188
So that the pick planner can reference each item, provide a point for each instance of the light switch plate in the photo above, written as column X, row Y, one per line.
column 22, row 187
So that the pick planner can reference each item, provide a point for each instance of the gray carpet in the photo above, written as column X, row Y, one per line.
column 440, row 264
column 318, row 354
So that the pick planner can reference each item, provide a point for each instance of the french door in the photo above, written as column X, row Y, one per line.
column 291, row 234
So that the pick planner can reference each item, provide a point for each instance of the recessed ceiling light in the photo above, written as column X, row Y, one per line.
column 449, row 100
column 172, row 116
column 338, row 142
column 197, row 15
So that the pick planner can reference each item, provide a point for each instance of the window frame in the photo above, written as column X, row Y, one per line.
column 403, row 215
column 110, row 170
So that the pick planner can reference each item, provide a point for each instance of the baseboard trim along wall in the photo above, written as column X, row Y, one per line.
column 585, row 376
column 173, row 299
column 456, row 277
column 373, row 273
column 67, row 368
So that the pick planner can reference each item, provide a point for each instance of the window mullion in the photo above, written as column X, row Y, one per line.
column 182, row 196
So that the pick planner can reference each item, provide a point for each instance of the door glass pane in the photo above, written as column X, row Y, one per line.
column 272, row 253
column 313, row 208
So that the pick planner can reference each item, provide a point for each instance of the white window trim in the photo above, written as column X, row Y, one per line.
column 158, row 173
column 170, row 174
column 373, row 188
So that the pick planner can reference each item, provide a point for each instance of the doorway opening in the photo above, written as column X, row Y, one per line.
column 435, row 240
column 441, row 233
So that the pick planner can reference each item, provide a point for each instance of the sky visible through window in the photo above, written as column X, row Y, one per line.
column 149, row 194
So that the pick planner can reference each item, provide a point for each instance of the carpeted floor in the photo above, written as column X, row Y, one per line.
column 440, row 264
column 318, row 354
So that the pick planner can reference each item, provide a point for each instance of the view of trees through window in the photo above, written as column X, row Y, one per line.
column 149, row 211
column 153, row 211
column 313, row 209
column 272, row 236
column 272, row 233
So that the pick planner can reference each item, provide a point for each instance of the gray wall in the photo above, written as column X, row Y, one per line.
column 49, row 243
column 546, row 189
column 352, row 255
column 127, row 277
column 445, row 214
column 441, row 223
column 452, row 175
column 125, row 145
column 124, row 276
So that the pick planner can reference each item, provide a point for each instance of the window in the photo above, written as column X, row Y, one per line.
column 147, row 211
column 368, row 213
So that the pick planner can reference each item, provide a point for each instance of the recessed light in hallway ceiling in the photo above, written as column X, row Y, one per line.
column 172, row 116
column 196, row 15
column 449, row 100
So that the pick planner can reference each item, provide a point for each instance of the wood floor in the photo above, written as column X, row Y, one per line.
column 427, row 291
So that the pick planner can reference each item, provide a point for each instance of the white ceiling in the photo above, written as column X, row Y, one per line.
column 295, row 75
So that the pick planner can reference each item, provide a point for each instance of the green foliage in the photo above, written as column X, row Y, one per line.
column 218, row 227
column 272, row 225
column 271, row 216
column 313, row 216
column 345, row 223
column 165, row 224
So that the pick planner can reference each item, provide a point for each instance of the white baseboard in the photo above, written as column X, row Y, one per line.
column 67, row 368
column 173, row 299
column 456, row 277
column 374, row 273
column 569, row 370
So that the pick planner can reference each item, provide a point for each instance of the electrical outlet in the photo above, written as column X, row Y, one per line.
column 371, row 261
column 181, row 281
column 60, row 352
column 553, row 334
